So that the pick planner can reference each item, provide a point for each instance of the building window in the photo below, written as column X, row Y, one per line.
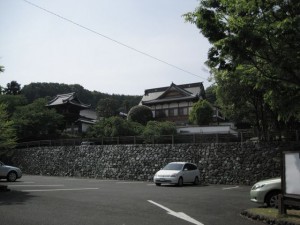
column 160, row 113
column 171, row 112
column 183, row 111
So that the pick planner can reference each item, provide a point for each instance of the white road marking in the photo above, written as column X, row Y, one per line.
column 71, row 189
column 179, row 215
column 230, row 188
column 36, row 185
column 129, row 182
column 97, row 181
column 73, row 179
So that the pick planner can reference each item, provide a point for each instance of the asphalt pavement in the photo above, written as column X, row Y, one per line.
column 42, row 200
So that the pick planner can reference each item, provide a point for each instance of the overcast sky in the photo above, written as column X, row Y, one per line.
column 37, row 46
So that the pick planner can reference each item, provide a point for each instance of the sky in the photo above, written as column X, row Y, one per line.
column 110, row 46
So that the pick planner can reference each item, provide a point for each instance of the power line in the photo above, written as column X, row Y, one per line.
column 111, row 39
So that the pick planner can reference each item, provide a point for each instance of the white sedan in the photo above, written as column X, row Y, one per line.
column 9, row 172
column 177, row 173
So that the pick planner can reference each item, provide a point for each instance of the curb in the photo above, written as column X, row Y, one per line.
column 267, row 220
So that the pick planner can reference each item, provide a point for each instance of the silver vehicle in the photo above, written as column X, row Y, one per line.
column 9, row 172
column 266, row 191
column 177, row 173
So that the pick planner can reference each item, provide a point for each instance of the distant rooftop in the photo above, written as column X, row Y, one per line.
column 69, row 98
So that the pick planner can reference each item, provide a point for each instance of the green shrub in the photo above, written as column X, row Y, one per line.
column 201, row 113
column 140, row 114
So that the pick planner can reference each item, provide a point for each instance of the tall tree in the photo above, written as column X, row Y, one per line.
column 1, row 71
column 35, row 121
column 8, row 136
column 260, row 35
column 12, row 88
column 201, row 113
column 107, row 108
column 12, row 102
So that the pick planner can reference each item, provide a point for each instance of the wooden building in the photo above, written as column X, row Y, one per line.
column 71, row 108
column 173, row 103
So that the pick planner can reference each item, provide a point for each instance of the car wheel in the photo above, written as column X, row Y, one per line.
column 157, row 184
column 180, row 181
column 11, row 176
column 272, row 199
column 196, row 181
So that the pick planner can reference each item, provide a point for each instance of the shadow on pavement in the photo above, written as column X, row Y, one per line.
column 14, row 197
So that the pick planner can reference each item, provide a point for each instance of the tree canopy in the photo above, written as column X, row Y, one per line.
column 201, row 113
column 12, row 88
column 107, row 107
column 114, row 127
column 255, row 45
column 141, row 114
column 8, row 136
column 35, row 121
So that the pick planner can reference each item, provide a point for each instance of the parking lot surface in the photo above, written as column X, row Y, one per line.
column 42, row 200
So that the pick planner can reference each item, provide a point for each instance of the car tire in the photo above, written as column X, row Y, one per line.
column 157, row 184
column 11, row 176
column 272, row 199
column 180, row 182
column 196, row 181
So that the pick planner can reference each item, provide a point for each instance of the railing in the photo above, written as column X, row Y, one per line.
column 166, row 139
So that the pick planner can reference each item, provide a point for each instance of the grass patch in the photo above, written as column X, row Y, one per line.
column 272, row 216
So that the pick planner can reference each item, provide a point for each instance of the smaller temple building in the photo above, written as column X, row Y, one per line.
column 77, row 115
column 173, row 103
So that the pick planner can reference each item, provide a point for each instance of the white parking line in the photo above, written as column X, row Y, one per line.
column 230, row 188
column 71, row 189
column 36, row 185
column 97, row 181
column 129, row 182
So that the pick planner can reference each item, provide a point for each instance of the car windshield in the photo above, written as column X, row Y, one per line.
column 173, row 166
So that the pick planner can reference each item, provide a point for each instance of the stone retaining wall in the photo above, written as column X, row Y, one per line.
column 231, row 163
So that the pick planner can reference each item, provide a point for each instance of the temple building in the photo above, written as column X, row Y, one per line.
column 173, row 103
column 78, row 116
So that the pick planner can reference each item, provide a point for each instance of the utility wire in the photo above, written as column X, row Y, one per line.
column 111, row 39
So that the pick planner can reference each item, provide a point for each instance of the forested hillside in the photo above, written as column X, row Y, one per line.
column 34, row 91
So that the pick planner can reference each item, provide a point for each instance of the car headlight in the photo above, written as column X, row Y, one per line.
column 174, row 175
column 257, row 186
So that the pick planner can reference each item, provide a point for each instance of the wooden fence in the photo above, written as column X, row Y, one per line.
column 165, row 139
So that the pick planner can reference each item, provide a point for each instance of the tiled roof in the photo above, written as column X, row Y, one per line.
column 185, row 92
column 70, row 98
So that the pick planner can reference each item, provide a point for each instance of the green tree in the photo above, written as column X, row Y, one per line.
column 211, row 94
column 13, row 88
column 12, row 102
column 154, row 130
column 107, row 108
column 201, row 113
column 35, row 121
column 1, row 71
column 8, row 136
column 261, row 36
column 114, row 127
column 140, row 114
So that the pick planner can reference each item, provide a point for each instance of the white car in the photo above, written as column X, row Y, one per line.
column 266, row 191
column 177, row 173
column 9, row 172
